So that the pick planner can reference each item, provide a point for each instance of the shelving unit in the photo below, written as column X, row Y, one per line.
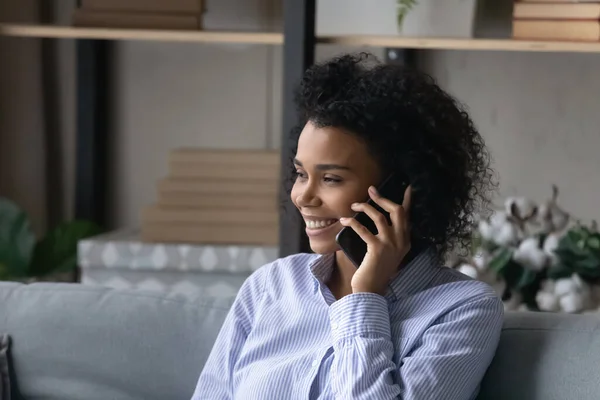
column 464, row 44
column 298, row 40
column 94, row 59
column 68, row 32
column 277, row 38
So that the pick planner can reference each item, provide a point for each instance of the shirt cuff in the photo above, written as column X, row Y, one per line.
column 360, row 314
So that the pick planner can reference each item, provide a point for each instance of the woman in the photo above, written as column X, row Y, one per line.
column 401, row 326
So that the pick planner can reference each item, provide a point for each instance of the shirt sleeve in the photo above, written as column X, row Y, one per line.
column 216, row 380
column 449, row 362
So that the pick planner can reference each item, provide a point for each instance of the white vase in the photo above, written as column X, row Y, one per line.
column 429, row 18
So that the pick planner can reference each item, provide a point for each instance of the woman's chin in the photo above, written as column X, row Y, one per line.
column 323, row 246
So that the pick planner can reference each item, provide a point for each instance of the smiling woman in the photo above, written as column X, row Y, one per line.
column 401, row 325
column 333, row 170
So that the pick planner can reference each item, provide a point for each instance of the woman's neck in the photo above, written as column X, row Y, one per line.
column 343, row 270
column 341, row 277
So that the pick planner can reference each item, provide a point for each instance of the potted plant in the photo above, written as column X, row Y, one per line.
column 537, row 257
column 25, row 258
column 435, row 18
column 404, row 7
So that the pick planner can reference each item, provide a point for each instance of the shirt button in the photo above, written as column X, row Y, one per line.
column 334, row 325
column 314, row 363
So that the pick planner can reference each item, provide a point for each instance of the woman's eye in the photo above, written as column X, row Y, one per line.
column 300, row 175
column 330, row 179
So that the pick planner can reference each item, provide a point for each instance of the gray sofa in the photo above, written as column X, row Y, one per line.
column 74, row 342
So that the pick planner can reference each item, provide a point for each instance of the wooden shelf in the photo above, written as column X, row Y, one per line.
column 275, row 38
column 68, row 32
column 464, row 44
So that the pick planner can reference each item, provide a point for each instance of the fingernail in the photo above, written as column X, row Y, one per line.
column 354, row 205
column 343, row 220
column 373, row 191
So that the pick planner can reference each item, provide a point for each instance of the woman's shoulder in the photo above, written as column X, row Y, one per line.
column 461, row 289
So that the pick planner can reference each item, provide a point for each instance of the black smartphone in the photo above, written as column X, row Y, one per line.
column 392, row 188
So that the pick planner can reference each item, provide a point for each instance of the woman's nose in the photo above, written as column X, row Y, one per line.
column 308, row 197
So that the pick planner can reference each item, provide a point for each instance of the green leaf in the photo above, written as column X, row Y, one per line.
column 589, row 262
column 594, row 242
column 527, row 278
column 16, row 240
column 57, row 251
column 560, row 271
column 404, row 7
column 4, row 275
column 571, row 245
column 500, row 260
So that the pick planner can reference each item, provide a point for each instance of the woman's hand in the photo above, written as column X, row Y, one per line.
column 385, row 250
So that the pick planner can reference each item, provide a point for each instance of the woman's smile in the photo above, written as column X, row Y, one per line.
column 319, row 226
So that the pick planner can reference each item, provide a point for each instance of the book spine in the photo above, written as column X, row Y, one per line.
column 172, row 6
column 556, row 30
column 101, row 19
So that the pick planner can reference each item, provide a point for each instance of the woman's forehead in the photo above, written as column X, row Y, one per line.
column 330, row 142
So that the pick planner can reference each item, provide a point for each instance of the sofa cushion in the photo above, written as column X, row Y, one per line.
column 4, row 372
column 75, row 342
column 546, row 356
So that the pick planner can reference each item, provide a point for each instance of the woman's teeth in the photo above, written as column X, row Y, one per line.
column 319, row 224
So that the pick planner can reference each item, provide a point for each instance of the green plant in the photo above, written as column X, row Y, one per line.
column 536, row 257
column 578, row 252
column 403, row 8
column 22, row 256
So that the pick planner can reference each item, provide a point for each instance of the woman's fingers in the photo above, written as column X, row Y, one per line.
column 407, row 198
column 398, row 213
column 360, row 229
column 381, row 222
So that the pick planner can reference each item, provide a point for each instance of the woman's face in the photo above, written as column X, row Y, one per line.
column 334, row 170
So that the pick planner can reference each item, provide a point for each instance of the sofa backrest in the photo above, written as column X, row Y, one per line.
column 75, row 342
column 546, row 356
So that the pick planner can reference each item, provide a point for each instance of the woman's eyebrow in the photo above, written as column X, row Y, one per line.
column 324, row 167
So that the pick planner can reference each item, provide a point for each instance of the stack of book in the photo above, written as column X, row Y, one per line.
column 139, row 14
column 574, row 20
column 216, row 197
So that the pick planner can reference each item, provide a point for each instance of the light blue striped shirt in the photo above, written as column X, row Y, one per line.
column 286, row 337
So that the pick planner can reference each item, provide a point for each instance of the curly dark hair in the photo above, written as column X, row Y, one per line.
column 409, row 124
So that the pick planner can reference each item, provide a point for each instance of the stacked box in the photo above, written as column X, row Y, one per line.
column 122, row 260
column 216, row 197
column 140, row 14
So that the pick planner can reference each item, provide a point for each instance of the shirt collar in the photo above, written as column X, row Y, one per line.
column 322, row 268
column 411, row 279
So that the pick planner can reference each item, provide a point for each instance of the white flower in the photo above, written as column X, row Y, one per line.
column 507, row 234
column 499, row 230
column 498, row 218
column 565, row 286
column 550, row 246
column 486, row 230
column 520, row 207
column 530, row 255
column 547, row 301
column 572, row 303
column 572, row 295
column 468, row 270
column 481, row 260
